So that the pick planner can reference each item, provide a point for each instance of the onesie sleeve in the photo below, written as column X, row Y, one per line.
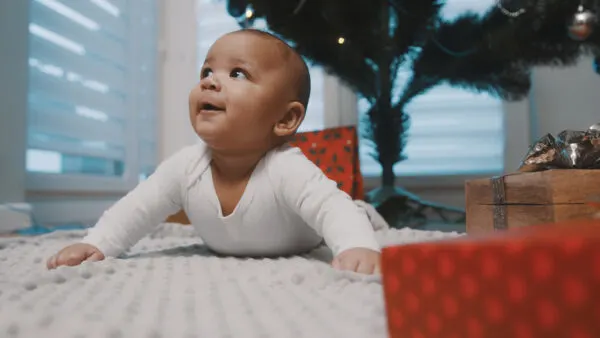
column 143, row 208
column 322, row 205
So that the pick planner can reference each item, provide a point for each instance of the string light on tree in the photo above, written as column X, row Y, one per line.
column 249, row 12
column 341, row 40
column 507, row 12
column 246, row 16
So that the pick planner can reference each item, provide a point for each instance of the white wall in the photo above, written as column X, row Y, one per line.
column 178, row 74
column 565, row 98
column 14, row 41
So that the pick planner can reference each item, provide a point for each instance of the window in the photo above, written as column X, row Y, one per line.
column 92, row 86
column 214, row 21
column 452, row 131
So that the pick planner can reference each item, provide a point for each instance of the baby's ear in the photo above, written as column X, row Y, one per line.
column 291, row 120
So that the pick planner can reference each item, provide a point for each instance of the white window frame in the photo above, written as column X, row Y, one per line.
column 78, row 183
column 14, row 48
column 81, row 199
column 516, row 128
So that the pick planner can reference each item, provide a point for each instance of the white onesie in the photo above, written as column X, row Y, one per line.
column 289, row 206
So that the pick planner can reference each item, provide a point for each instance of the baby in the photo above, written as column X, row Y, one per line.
column 245, row 190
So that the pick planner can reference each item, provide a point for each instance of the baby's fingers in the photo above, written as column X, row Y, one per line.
column 336, row 263
column 377, row 269
column 95, row 257
column 51, row 262
column 347, row 264
column 366, row 267
column 70, row 258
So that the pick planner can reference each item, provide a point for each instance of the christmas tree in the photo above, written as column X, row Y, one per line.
column 364, row 44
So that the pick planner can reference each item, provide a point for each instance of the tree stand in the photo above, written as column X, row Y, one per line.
column 401, row 208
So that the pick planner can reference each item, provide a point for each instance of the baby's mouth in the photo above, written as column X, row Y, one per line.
column 209, row 108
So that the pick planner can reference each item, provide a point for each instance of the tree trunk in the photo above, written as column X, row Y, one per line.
column 387, row 135
column 388, row 177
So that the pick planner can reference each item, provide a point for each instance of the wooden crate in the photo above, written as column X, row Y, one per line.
column 524, row 199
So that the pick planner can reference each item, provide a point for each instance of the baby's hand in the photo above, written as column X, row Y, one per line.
column 74, row 255
column 359, row 260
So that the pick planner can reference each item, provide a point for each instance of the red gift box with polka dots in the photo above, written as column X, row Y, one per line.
column 335, row 151
column 532, row 282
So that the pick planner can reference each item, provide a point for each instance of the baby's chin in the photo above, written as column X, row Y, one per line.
column 207, row 120
column 209, row 131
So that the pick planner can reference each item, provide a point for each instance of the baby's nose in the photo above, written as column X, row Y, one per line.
column 210, row 83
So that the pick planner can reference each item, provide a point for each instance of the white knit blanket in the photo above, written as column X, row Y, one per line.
column 171, row 286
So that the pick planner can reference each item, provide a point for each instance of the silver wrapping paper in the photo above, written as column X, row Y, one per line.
column 570, row 149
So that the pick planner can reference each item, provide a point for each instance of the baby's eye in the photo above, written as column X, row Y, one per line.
column 238, row 74
column 205, row 73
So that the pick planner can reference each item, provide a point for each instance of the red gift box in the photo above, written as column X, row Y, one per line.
column 335, row 151
column 532, row 282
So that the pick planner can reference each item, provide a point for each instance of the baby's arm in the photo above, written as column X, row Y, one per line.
column 317, row 199
column 132, row 217
column 142, row 209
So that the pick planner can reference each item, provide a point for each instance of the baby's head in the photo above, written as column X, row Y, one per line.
column 252, row 94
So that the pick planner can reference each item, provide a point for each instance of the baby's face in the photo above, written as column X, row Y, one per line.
column 242, row 93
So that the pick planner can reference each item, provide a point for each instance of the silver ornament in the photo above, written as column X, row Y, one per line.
column 582, row 24
column 595, row 126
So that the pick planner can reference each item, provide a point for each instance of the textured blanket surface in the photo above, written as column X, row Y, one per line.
column 170, row 285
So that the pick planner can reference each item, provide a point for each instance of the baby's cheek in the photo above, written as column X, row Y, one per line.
column 193, row 100
column 193, row 95
column 243, row 116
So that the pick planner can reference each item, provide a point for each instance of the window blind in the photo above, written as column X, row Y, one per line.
column 93, row 87
column 452, row 131
column 214, row 21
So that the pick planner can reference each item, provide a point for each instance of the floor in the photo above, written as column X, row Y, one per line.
column 445, row 227
column 170, row 285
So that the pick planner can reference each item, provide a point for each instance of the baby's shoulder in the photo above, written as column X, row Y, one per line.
column 285, row 155
column 188, row 153
column 187, row 160
column 289, row 160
